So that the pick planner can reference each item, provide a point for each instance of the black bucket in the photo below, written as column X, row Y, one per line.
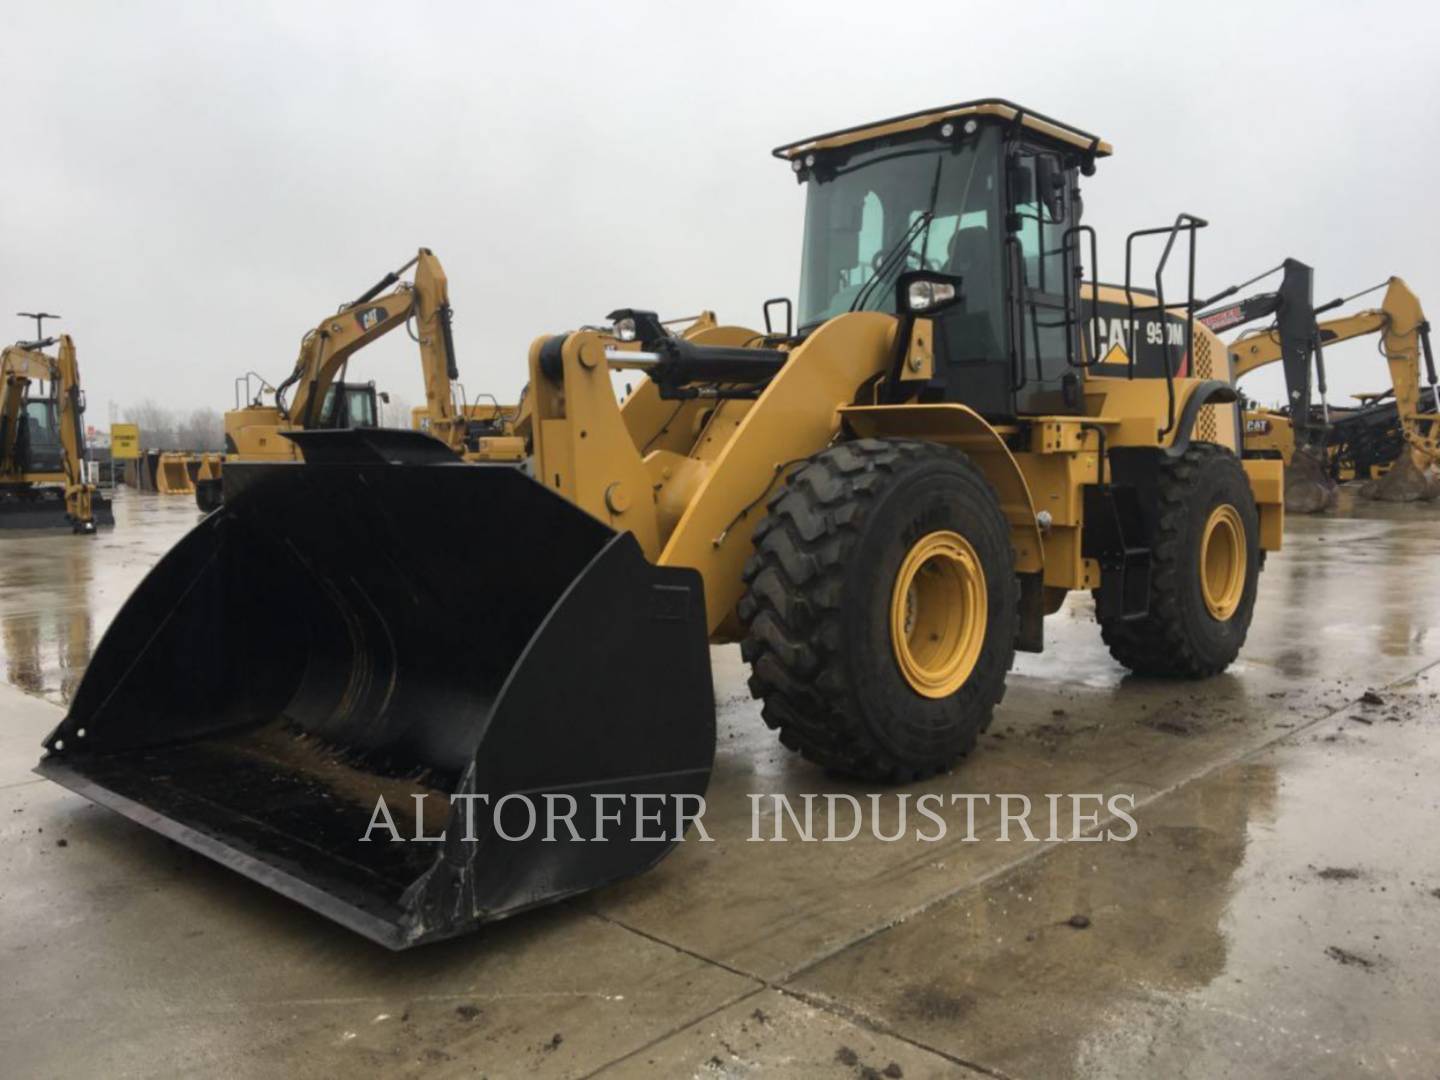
column 384, row 621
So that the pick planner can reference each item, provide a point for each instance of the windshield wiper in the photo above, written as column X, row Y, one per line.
column 895, row 256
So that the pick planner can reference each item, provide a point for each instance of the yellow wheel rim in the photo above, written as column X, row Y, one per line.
column 1222, row 562
column 938, row 614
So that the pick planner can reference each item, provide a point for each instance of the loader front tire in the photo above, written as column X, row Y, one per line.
column 1205, row 567
column 881, row 609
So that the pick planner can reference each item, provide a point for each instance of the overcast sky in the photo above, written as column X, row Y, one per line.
column 193, row 185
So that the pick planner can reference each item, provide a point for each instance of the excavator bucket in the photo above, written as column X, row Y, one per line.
column 172, row 475
column 1404, row 481
column 1308, row 486
column 358, row 655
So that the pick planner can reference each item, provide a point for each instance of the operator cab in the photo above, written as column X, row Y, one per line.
column 350, row 405
column 969, row 216
column 38, row 446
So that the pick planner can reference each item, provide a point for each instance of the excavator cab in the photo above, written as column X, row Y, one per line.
column 350, row 405
column 38, row 440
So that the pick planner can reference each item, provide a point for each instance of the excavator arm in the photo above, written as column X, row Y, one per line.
column 325, row 350
column 1295, row 340
column 71, row 402
column 1405, row 342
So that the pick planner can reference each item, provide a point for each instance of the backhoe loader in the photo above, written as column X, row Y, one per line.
column 880, row 504
column 43, row 484
column 323, row 401
column 1305, row 438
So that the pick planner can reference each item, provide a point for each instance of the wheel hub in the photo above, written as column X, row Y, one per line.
column 1222, row 562
column 938, row 614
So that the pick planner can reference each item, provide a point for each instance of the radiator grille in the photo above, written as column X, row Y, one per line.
column 1207, row 427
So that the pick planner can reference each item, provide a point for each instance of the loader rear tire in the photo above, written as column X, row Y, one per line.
column 1205, row 567
column 881, row 609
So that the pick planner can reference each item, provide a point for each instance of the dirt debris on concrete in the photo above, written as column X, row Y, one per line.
column 1348, row 958
column 1337, row 873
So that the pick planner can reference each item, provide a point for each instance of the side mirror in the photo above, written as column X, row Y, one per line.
column 1050, row 179
column 385, row 397
column 925, row 292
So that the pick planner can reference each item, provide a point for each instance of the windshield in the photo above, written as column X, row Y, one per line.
column 362, row 406
column 856, row 222
column 359, row 407
column 41, row 422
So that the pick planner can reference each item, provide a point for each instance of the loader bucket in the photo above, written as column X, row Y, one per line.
column 383, row 621
column 172, row 475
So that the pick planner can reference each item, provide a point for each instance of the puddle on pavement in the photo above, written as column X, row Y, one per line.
column 59, row 591
column 1307, row 866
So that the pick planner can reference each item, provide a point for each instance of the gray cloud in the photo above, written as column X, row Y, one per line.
column 193, row 185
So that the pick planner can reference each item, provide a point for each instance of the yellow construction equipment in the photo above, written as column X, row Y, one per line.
column 880, row 505
column 324, row 401
column 175, row 472
column 43, row 483
column 1302, row 430
column 254, row 429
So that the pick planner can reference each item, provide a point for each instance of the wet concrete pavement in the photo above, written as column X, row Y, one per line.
column 1276, row 913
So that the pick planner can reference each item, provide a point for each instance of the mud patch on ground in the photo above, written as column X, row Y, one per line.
column 936, row 1004
column 1172, row 725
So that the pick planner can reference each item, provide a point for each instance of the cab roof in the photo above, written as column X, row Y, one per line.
column 997, row 108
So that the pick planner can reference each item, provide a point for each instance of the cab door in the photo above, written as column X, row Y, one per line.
column 1042, row 208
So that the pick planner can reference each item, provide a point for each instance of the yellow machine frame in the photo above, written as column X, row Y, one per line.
column 21, row 366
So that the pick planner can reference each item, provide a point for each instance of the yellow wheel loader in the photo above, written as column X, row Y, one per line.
column 43, row 484
column 1312, row 443
column 324, row 401
column 880, row 504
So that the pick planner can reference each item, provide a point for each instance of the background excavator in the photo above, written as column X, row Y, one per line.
column 323, row 400
column 880, row 504
column 1314, row 443
column 43, row 482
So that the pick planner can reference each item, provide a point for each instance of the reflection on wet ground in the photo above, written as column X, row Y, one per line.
column 1277, row 914
column 58, row 591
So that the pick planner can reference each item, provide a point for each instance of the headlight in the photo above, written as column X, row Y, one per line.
column 625, row 329
column 924, row 295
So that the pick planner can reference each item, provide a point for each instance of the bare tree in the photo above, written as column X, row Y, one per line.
column 156, row 423
column 203, row 429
